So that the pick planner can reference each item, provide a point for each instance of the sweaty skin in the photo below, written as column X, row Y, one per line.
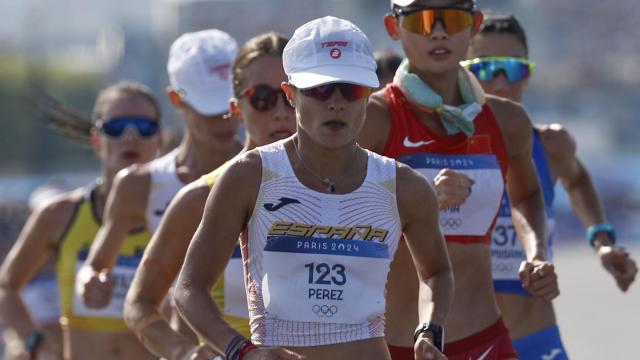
column 474, row 307
column 524, row 315
column 164, row 256
column 228, row 210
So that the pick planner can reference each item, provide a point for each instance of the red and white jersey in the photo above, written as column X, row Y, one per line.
column 316, row 264
column 483, row 157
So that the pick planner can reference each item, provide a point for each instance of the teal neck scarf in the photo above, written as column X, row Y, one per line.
column 455, row 118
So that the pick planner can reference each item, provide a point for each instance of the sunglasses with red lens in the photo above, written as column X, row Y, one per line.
column 350, row 92
column 264, row 97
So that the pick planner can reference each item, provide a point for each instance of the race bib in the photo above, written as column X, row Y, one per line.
column 475, row 216
column 122, row 276
column 235, row 296
column 506, row 250
column 324, row 280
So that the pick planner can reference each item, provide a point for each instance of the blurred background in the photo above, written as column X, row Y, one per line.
column 587, row 79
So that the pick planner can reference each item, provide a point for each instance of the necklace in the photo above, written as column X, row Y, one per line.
column 331, row 185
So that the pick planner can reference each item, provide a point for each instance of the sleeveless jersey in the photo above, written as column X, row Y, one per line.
column 483, row 157
column 229, row 292
column 165, row 184
column 506, row 249
column 316, row 264
column 72, row 252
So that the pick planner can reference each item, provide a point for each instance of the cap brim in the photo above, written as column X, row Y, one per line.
column 402, row 2
column 332, row 74
column 208, row 102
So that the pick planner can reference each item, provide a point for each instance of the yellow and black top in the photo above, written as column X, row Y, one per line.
column 230, row 296
column 72, row 252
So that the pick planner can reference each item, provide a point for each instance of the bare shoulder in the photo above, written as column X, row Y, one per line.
column 373, row 135
column 242, row 172
column 512, row 117
column 192, row 196
column 557, row 140
column 52, row 217
column 250, row 163
column 61, row 206
column 514, row 123
column 133, row 183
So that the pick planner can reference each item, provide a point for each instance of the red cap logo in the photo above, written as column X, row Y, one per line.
column 335, row 53
column 221, row 70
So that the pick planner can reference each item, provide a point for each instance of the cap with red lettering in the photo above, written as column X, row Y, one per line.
column 329, row 50
column 199, row 70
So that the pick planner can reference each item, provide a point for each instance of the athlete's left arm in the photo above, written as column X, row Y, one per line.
column 527, row 206
column 560, row 148
column 418, row 208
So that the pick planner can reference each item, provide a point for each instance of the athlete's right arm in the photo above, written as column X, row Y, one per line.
column 228, row 208
column 418, row 208
column 158, row 269
column 124, row 210
column 375, row 131
column 37, row 242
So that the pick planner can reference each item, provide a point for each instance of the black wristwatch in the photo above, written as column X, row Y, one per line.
column 32, row 342
column 435, row 329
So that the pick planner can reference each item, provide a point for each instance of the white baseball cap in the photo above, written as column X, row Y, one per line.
column 329, row 50
column 199, row 69
column 402, row 2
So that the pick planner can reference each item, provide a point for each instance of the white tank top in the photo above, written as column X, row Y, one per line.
column 316, row 264
column 165, row 184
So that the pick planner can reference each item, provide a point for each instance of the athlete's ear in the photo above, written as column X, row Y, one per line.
column 289, row 90
column 478, row 18
column 174, row 97
column 94, row 138
column 234, row 109
column 391, row 24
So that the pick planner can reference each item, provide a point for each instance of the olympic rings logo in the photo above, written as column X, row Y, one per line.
column 503, row 268
column 324, row 310
column 450, row 223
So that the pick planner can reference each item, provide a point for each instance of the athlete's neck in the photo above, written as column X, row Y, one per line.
column 249, row 144
column 193, row 161
column 330, row 163
column 444, row 84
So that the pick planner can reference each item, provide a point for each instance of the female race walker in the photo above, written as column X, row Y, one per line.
column 125, row 131
column 499, row 59
column 320, row 219
column 200, row 75
column 435, row 118
column 262, row 107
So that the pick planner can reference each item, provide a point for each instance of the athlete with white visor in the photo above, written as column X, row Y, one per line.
column 320, row 219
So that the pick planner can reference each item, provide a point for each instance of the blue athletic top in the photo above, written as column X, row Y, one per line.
column 507, row 252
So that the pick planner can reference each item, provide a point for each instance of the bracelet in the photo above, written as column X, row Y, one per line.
column 246, row 347
column 234, row 346
column 595, row 230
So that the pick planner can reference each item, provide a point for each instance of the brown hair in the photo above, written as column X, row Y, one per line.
column 129, row 88
column 270, row 43
column 77, row 127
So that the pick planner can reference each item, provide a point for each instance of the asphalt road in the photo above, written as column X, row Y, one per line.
column 596, row 319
